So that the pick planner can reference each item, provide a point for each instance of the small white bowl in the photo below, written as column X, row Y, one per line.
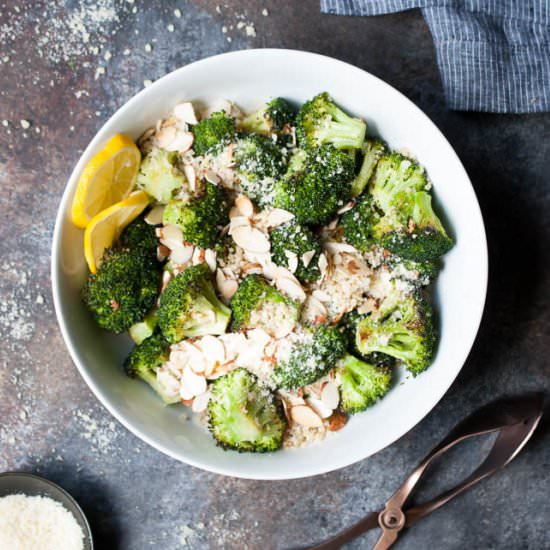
column 248, row 78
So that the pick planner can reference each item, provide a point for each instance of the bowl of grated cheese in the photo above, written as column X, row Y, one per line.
column 37, row 514
column 248, row 78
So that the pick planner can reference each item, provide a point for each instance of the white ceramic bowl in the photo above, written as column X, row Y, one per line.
column 248, row 78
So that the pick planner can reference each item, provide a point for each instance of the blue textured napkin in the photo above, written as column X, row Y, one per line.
column 493, row 55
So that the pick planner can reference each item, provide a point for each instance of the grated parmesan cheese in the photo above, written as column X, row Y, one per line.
column 37, row 523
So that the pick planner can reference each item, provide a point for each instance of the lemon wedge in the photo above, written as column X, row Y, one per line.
column 106, row 179
column 106, row 227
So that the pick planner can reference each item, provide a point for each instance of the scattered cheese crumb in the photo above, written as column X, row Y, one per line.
column 25, row 124
column 126, row 52
column 229, row 39
column 40, row 299
column 240, row 25
column 265, row 13
column 148, row 47
column 218, row 9
column 5, row 123
column 224, row 29
column 250, row 30
column 147, row 83
column 108, row 55
column 177, row 13
column 170, row 27
column 99, row 72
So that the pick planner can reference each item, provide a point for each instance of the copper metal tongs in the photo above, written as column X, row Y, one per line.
column 515, row 420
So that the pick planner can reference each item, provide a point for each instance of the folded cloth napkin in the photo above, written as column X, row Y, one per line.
column 493, row 55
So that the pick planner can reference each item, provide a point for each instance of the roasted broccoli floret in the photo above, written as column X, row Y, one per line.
column 259, row 162
column 142, row 330
column 348, row 325
column 362, row 384
column 201, row 218
column 189, row 306
column 123, row 290
column 312, row 359
column 412, row 230
column 403, row 329
column 212, row 134
column 298, row 240
column 357, row 224
column 320, row 121
column 395, row 175
column 418, row 273
column 372, row 151
column 257, row 304
column 243, row 415
column 275, row 118
column 160, row 177
column 140, row 237
column 144, row 361
column 315, row 191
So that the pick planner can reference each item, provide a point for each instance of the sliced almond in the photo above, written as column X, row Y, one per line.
column 170, row 121
column 186, row 112
column 238, row 221
column 323, row 264
column 210, row 259
column 252, row 268
column 227, row 287
column 212, row 349
column 251, row 239
column 166, row 276
column 212, row 177
column 290, row 287
column 166, row 136
column 306, row 416
column 182, row 254
column 330, row 396
column 171, row 236
column 169, row 382
column 319, row 407
column 292, row 261
column 201, row 402
column 193, row 383
column 278, row 216
column 185, row 394
column 154, row 216
column 245, row 206
column 307, row 257
column 334, row 247
column 182, row 142
column 346, row 207
column 198, row 256
column 314, row 310
column 191, row 176
column 291, row 398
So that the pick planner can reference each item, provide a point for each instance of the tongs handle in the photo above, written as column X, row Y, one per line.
column 514, row 418
column 514, row 429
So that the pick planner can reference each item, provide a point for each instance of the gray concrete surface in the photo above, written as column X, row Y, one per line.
column 51, row 55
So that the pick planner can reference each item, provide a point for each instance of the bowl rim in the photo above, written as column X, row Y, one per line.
column 42, row 481
column 477, row 312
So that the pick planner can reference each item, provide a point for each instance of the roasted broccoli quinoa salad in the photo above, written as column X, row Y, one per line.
column 271, row 267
